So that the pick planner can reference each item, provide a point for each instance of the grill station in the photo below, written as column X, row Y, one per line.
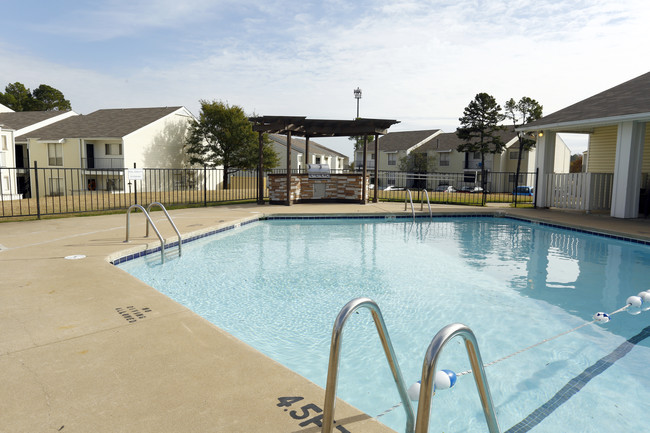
column 318, row 184
column 318, row 171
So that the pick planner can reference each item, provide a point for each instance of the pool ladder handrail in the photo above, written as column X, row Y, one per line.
column 409, row 198
column 426, row 194
column 478, row 371
column 335, row 349
column 150, row 221
column 169, row 218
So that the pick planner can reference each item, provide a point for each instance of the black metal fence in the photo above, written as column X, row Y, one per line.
column 52, row 191
column 453, row 188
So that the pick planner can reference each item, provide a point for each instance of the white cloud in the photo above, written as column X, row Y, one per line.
column 418, row 61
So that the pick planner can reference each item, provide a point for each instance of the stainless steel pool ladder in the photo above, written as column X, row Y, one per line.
column 150, row 221
column 409, row 198
column 428, row 369
column 426, row 194
column 335, row 350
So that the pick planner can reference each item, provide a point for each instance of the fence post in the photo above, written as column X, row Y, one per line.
column 205, row 186
column 38, row 195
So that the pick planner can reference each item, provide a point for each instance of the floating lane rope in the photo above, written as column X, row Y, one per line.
column 445, row 379
column 633, row 304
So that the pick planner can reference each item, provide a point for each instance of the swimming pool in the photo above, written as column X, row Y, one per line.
column 279, row 284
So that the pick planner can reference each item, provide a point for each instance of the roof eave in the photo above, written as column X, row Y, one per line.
column 587, row 124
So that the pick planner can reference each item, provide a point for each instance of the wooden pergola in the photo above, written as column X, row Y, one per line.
column 303, row 127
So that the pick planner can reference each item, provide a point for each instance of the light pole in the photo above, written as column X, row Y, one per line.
column 357, row 96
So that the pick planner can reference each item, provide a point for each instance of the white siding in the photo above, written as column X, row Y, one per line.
column 159, row 144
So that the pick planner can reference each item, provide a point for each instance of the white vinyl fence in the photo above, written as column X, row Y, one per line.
column 581, row 191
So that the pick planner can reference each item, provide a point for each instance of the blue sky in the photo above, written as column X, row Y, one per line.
column 417, row 61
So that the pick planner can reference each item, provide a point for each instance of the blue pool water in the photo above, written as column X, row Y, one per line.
column 278, row 286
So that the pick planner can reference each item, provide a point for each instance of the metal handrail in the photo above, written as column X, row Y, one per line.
column 335, row 349
column 410, row 199
column 429, row 368
column 146, row 214
column 426, row 194
column 169, row 218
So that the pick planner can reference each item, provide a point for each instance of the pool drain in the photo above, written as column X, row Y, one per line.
column 132, row 314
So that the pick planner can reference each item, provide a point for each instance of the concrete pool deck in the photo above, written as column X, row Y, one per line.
column 85, row 347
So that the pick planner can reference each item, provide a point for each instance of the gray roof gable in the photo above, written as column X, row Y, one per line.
column 404, row 140
column 22, row 119
column 626, row 99
column 450, row 141
column 298, row 145
column 107, row 123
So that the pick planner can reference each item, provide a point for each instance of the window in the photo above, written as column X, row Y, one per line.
column 113, row 148
column 55, row 154
column 477, row 155
column 444, row 160
column 392, row 159
column 514, row 154
column 4, row 143
column 317, row 160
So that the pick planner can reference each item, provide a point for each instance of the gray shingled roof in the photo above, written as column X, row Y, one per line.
column 22, row 119
column 298, row 145
column 108, row 123
column 450, row 141
column 628, row 99
column 396, row 141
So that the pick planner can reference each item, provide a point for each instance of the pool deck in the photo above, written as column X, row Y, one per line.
column 85, row 347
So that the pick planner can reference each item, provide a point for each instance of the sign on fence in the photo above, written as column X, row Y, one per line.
column 136, row 173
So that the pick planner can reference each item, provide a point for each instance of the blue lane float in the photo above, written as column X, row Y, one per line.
column 601, row 317
column 444, row 379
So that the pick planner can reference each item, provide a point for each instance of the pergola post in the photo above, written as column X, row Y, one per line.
column 375, row 199
column 288, row 168
column 306, row 151
column 260, row 172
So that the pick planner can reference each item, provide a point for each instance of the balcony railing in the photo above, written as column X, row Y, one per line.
column 476, row 165
column 102, row 163
column 370, row 166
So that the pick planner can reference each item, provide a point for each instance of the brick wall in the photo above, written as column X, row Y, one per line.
column 339, row 188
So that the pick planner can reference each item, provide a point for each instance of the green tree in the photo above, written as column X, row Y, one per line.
column 575, row 166
column 47, row 98
column 359, row 140
column 17, row 97
column 417, row 163
column 521, row 113
column 479, row 130
column 43, row 98
column 223, row 136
